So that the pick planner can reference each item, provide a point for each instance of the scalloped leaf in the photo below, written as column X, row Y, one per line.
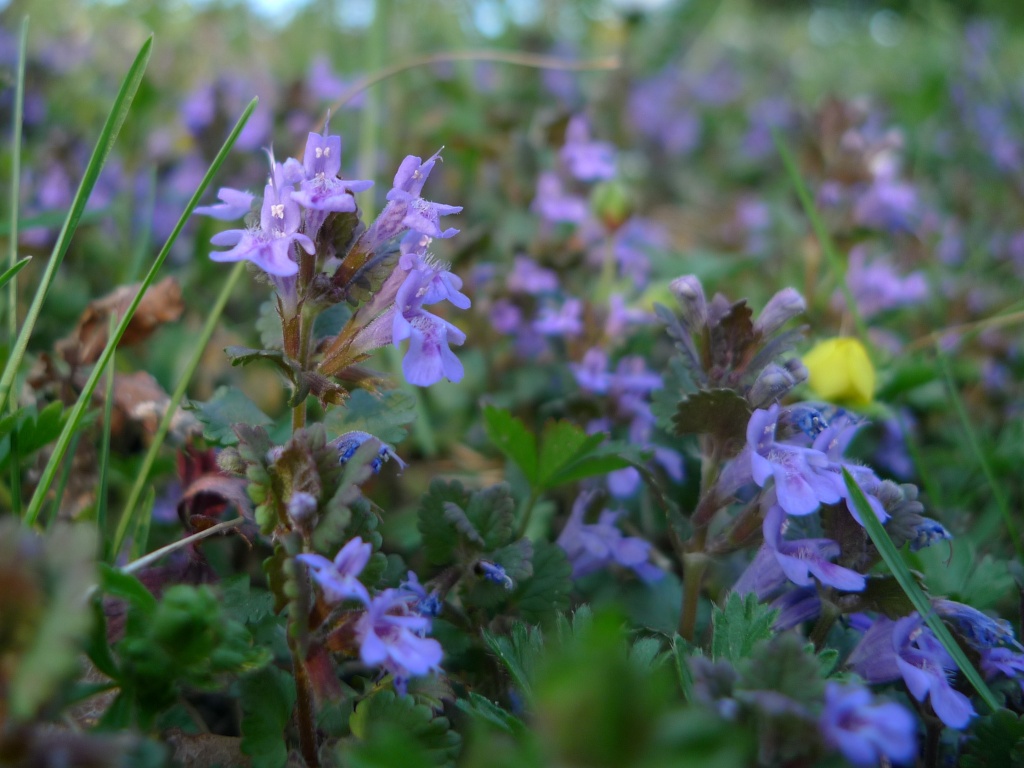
column 228, row 407
column 720, row 412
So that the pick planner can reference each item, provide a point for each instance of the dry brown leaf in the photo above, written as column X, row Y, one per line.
column 161, row 304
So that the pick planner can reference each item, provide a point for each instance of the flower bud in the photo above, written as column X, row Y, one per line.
column 612, row 203
column 690, row 295
column 770, row 386
column 302, row 507
column 780, row 309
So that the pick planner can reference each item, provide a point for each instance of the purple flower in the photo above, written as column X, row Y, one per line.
column 553, row 204
column 864, row 731
column 586, row 160
column 270, row 246
column 801, row 478
column 428, row 359
column 878, row 287
column 906, row 649
column 1005, row 662
column 349, row 442
column 563, row 321
column 234, row 204
column 338, row 580
column 888, row 204
column 593, row 546
column 320, row 189
column 832, row 441
column 528, row 277
column 406, row 209
column 804, row 558
column 978, row 629
column 426, row 603
column 391, row 636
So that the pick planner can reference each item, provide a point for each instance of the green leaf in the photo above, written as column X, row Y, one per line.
column 720, row 412
column 439, row 535
column 267, row 698
column 486, row 711
column 519, row 652
column 33, row 431
column 492, row 514
column 513, row 439
column 899, row 569
column 385, row 416
column 268, row 326
column 119, row 584
column 227, row 407
column 739, row 626
column 561, row 443
column 541, row 597
column 385, row 716
column 996, row 741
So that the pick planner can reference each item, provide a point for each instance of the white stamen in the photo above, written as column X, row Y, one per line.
column 277, row 211
column 320, row 152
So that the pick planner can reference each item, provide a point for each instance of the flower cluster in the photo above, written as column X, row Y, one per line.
column 296, row 244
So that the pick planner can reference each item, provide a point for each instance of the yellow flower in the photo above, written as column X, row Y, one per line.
column 840, row 371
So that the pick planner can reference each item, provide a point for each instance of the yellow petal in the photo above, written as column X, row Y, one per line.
column 840, row 371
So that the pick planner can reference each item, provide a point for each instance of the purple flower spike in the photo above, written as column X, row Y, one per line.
column 391, row 636
column 234, row 204
column 864, row 731
column 338, row 580
column 801, row 478
column 802, row 559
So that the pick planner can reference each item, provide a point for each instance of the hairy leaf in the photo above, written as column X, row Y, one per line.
column 739, row 626
column 228, row 406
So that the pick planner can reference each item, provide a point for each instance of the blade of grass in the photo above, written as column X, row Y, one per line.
column 824, row 239
column 979, row 456
column 165, row 423
column 112, row 126
column 69, row 465
column 104, row 458
column 75, row 417
column 14, row 266
column 899, row 569
column 140, row 536
column 4, row 279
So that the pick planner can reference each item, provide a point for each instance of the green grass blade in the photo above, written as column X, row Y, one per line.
column 116, row 118
column 75, row 417
column 51, row 219
column 69, row 466
column 6, row 278
column 140, row 537
column 979, row 455
column 104, row 457
column 15, row 266
column 125, row 523
column 827, row 246
column 899, row 569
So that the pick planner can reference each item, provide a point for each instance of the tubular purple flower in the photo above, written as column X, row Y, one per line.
column 907, row 649
column 865, row 731
column 804, row 558
column 234, row 204
column 320, row 189
column 391, row 636
column 528, row 277
column 563, row 321
column 270, row 246
column 591, row 547
column 801, row 478
column 338, row 580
